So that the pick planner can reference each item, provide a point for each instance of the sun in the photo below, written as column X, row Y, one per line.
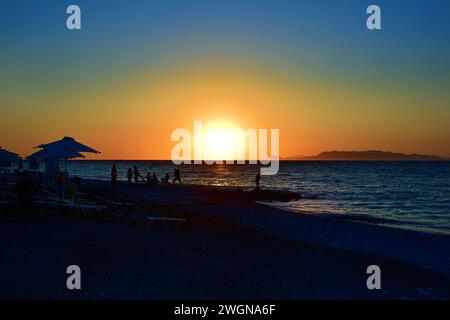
column 219, row 144
column 220, row 141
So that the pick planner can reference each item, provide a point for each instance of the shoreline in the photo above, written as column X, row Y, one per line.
column 229, row 248
column 431, row 251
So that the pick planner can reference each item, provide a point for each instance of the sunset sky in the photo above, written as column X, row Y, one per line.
column 140, row 69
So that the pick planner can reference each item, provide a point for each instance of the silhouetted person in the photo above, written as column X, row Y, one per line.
column 177, row 176
column 257, row 178
column 152, row 178
column 136, row 174
column 166, row 179
column 129, row 175
column 155, row 178
column 113, row 175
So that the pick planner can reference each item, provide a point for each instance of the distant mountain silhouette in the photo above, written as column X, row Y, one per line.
column 368, row 156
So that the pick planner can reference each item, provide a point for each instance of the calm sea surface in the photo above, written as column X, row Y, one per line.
column 413, row 195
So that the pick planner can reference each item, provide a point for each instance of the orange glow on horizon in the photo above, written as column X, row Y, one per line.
column 132, row 117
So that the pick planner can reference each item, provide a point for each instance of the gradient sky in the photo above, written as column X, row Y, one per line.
column 139, row 69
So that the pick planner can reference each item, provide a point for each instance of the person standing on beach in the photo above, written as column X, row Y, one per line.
column 136, row 174
column 257, row 178
column 129, row 175
column 177, row 176
column 113, row 175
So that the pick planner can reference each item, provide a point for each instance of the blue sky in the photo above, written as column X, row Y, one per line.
column 416, row 28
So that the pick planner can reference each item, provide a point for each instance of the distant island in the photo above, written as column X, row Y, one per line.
column 370, row 155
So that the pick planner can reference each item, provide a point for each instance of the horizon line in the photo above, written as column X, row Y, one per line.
column 281, row 159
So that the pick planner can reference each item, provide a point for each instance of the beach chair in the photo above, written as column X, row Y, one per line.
column 165, row 222
column 118, row 207
column 123, row 211
column 49, row 200
column 141, row 217
column 135, row 214
column 5, row 171
column 7, row 194
column 135, row 218
column 6, row 200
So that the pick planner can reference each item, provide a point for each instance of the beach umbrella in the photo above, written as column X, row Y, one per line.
column 66, row 148
column 44, row 154
column 67, row 144
column 8, row 155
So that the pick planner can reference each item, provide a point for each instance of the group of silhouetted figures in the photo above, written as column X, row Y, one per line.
column 133, row 174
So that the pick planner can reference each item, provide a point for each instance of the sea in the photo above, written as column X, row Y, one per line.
column 410, row 195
